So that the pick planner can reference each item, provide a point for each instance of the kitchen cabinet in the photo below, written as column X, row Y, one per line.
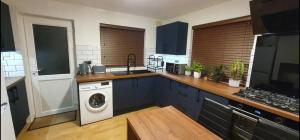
column 134, row 93
column 18, row 105
column 165, row 89
column 171, row 38
column 184, row 95
column 7, row 39
column 173, row 93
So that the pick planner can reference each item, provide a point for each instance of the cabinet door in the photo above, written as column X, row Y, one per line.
column 181, row 38
column 164, row 89
column 160, row 49
column 123, row 95
column 170, row 38
column 22, row 104
column 145, row 93
column 13, row 108
column 7, row 40
column 184, row 98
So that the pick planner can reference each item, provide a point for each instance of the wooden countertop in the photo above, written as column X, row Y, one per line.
column 166, row 124
column 216, row 88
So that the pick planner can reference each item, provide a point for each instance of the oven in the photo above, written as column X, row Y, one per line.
column 243, row 124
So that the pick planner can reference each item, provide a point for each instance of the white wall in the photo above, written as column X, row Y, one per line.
column 223, row 11
column 12, row 63
column 86, row 22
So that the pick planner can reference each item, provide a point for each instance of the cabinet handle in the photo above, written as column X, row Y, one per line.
column 16, row 94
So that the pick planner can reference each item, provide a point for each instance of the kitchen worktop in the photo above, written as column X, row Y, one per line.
column 10, row 81
column 166, row 123
column 220, row 89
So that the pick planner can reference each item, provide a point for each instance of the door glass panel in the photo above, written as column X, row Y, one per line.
column 97, row 100
column 51, row 46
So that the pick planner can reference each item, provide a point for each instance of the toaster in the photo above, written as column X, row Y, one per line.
column 98, row 69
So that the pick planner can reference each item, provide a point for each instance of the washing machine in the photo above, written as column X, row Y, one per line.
column 96, row 101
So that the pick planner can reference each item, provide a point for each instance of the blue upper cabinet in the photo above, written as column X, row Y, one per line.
column 7, row 39
column 171, row 38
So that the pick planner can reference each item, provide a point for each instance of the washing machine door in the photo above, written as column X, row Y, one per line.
column 96, row 102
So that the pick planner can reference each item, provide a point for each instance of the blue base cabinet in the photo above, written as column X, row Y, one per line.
column 18, row 105
column 134, row 93
column 165, row 88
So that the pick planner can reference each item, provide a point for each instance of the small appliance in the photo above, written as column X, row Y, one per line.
column 84, row 67
column 175, row 68
column 98, row 69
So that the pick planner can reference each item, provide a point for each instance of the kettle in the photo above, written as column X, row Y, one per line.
column 84, row 67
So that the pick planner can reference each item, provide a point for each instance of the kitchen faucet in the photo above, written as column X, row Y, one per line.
column 131, row 60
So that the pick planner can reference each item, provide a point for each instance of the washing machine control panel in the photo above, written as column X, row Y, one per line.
column 95, row 85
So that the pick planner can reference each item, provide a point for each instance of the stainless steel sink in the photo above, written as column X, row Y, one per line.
column 117, row 73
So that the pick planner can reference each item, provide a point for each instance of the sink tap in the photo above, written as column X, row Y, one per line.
column 131, row 61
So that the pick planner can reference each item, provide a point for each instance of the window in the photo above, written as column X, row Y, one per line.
column 118, row 41
column 222, row 42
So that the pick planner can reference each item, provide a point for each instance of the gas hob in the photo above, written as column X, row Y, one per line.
column 272, row 99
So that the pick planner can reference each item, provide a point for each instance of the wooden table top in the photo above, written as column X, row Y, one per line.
column 167, row 124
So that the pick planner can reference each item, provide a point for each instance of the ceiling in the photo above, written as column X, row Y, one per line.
column 161, row 9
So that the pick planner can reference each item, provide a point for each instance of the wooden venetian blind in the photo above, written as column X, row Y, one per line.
column 223, row 42
column 118, row 41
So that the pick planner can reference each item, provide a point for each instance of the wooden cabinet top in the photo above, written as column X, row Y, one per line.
column 167, row 124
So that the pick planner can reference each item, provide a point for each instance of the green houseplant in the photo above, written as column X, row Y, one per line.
column 237, row 69
column 197, row 68
column 188, row 70
column 217, row 73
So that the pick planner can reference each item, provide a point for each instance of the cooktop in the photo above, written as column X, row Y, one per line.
column 272, row 99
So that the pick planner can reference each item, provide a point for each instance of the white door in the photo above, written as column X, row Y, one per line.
column 7, row 128
column 51, row 57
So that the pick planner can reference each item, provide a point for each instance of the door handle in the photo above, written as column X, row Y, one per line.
column 3, row 107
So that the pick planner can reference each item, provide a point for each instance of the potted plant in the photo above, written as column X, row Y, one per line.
column 217, row 73
column 188, row 70
column 237, row 70
column 197, row 68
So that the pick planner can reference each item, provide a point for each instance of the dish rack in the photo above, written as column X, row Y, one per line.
column 155, row 63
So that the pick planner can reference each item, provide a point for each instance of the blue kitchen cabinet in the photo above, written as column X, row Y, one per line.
column 18, row 105
column 165, row 88
column 133, row 93
column 184, row 101
column 123, row 94
column 171, row 38
column 145, row 93
column 7, row 39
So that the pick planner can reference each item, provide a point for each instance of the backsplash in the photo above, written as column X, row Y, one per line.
column 88, row 52
column 13, row 64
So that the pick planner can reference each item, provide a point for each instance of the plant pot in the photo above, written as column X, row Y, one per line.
column 197, row 75
column 188, row 73
column 234, row 83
